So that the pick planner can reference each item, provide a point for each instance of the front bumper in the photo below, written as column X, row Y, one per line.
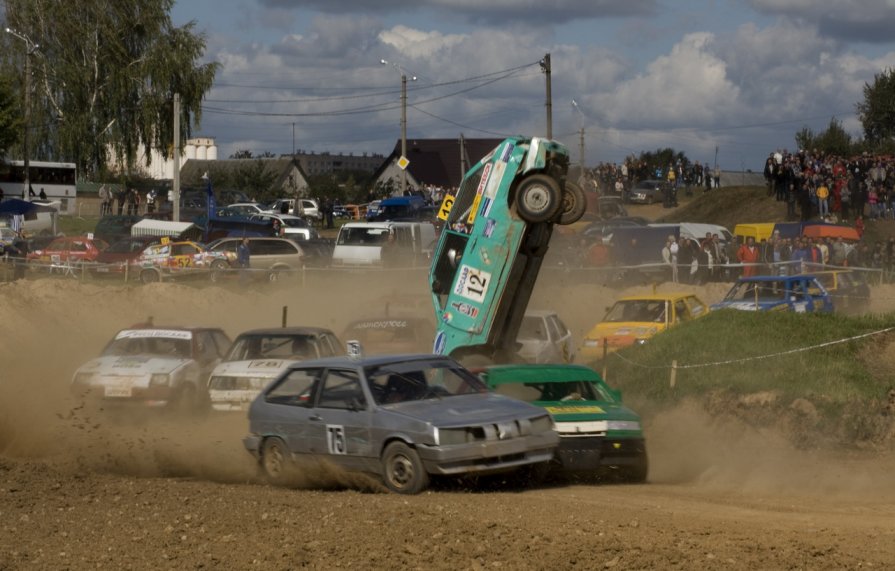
column 489, row 456
column 587, row 454
column 150, row 397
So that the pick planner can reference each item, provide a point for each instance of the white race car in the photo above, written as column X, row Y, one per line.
column 154, row 367
column 259, row 356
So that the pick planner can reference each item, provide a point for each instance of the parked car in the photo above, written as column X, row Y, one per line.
column 382, row 243
column 114, row 227
column 604, row 230
column 404, row 417
column 635, row 319
column 67, row 251
column 115, row 260
column 848, row 290
column 545, row 338
column 373, row 209
column 399, row 208
column 154, row 367
column 306, row 207
column 648, row 191
column 7, row 237
column 243, row 208
column 290, row 225
column 599, row 435
column 490, row 252
column 169, row 260
column 391, row 334
column 259, row 356
column 801, row 294
column 270, row 258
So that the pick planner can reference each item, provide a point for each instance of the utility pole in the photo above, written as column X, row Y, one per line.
column 176, row 181
column 545, row 67
column 403, row 130
column 30, row 48
column 463, row 167
column 293, row 140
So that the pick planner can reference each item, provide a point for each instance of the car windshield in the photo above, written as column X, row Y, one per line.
column 149, row 345
column 359, row 236
column 273, row 346
column 652, row 310
column 420, row 380
column 295, row 222
column 532, row 328
column 757, row 291
column 551, row 392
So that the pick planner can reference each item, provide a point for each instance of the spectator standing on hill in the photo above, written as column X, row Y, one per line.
column 837, row 252
column 823, row 197
column 669, row 256
column 748, row 254
column 845, row 197
column 872, row 200
column 770, row 175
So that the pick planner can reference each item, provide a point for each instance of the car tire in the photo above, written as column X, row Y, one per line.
column 150, row 276
column 402, row 470
column 538, row 198
column 574, row 204
column 533, row 474
column 218, row 269
column 275, row 463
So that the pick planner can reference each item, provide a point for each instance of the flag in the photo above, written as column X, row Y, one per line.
column 211, row 206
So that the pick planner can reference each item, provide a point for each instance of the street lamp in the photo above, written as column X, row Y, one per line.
column 31, row 48
column 403, row 118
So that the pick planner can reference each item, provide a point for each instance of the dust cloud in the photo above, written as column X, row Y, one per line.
column 50, row 327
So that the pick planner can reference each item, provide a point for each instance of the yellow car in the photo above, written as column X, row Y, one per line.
column 636, row 318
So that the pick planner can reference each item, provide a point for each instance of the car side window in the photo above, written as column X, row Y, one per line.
column 342, row 390
column 696, row 307
column 680, row 310
column 221, row 341
column 553, row 329
column 205, row 345
column 295, row 389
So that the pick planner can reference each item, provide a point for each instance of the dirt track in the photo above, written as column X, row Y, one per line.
column 82, row 491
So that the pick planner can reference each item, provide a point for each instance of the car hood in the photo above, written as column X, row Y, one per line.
column 635, row 329
column 253, row 368
column 531, row 347
column 466, row 410
column 741, row 305
column 583, row 418
column 131, row 365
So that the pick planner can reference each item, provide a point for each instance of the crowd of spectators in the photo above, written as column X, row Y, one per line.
column 831, row 187
column 616, row 178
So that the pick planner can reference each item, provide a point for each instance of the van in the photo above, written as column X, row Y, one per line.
column 760, row 231
column 368, row 244
column 276, row 256
column 307, row 207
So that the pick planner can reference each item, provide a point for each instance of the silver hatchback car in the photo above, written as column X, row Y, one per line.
column 405, row 417
column 276, row 257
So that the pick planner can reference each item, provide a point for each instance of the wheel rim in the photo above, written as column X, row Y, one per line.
column 273, row 461
column 400, row 471
column 536, row 198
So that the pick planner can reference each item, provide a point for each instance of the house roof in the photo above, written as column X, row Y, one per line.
column 192, row 171
column 437, row 161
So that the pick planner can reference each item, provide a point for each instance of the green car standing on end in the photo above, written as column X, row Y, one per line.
column 497, row 230
column 599, row 436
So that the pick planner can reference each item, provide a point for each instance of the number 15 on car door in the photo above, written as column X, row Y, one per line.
column 472, row 283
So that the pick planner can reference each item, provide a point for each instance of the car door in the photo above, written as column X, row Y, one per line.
column 561, row 337
column 288, row 408
column 339, row 424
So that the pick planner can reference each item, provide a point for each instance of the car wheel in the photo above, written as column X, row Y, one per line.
column 538, row 198
column 402, row 469
column 218, row 268
column 574, row 203
column 275, row 461
column 149, row 276
column 533, row 474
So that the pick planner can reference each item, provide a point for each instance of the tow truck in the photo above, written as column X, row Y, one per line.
column 497, row 231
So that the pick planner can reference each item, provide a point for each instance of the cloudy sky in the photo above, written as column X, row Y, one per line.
column 739, row 76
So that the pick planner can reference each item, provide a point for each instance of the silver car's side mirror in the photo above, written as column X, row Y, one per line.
column 452, row 257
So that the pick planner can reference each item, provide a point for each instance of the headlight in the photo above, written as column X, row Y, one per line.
column 591, row 342
column 541, row 424
column 158, row 379
column 629, row 425
column 641, row 341
column 83, row 378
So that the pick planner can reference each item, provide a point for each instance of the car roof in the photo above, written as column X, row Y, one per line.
column 558, row 373
column 372, row 360
column 287, row 331
column 539, row 312
column 775, row 278
column 658, row 296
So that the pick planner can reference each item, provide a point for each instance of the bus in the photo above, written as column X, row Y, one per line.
column 57, row 180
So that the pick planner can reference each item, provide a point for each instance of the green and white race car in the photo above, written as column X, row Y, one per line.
column 599, row 436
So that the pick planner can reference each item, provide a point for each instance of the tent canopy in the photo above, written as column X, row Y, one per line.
column 179, row 230
column 22, row 207
column 831, row 231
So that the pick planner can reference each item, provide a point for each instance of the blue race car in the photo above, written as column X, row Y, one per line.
column 800, row 294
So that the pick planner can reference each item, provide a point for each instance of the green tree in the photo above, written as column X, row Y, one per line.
column 105, row 77
column 256, row 180
column 834, row 140
column 877, row 111
column 10, row 118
